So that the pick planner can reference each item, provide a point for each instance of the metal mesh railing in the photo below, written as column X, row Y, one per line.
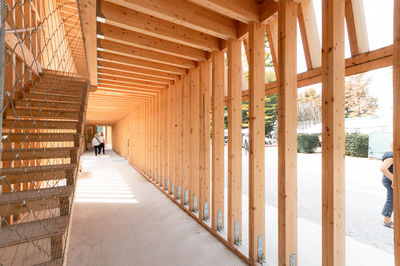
column 43, row 82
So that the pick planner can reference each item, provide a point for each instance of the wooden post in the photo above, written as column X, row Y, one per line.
column 234, row 141
column 333, row 133
column 194, row 139
column 396, row 128
column 178, row 138
column 218, row 68
column 287, row 133
column 205, row 84
column 186, row 141
column 172, row 140
column 256, row 139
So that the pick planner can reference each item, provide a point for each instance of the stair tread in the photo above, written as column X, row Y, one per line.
column 39, row 137
column 42, row 124
column 37, row 169
column 26, row 232
column 28, row 195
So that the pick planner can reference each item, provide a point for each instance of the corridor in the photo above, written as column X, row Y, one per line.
column 119, row 218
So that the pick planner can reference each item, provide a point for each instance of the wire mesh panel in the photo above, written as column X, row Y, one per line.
column 43, row 78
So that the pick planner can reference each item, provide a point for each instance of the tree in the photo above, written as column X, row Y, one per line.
column 358, row 101
column 308, row 108
column 271, row 112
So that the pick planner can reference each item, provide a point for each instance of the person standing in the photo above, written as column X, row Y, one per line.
column 101, row 138
column 387, row 170
column 96, row 144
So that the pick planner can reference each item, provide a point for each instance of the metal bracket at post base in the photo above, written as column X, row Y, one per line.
column 166, row 184
column 186, row 197
column 292, row 260
column 219, row 222
column 237, row 230
column 205, row 216
column 195, row 204
column 179, row 193
column 161, row 183
column 260, row 250
column 172, row 189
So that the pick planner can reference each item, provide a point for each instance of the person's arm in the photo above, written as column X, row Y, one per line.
column 385, row 168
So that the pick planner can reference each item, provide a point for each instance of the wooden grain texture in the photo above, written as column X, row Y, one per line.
column 218, row 83
column 256, row 139
column 287, row 134
column 234, row 139
column 333, row 134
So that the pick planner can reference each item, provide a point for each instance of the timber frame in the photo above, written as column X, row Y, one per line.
column 165, row 69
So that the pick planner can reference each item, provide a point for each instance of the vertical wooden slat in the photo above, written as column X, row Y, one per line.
column 171, row 128
column 396, row 128
column 333, row 133
column 167, row 141
column 256, row 137
column 194, row 138
column 205, row 84
column 234, row 140
column 178, row 138
column 186, row 141
column 287, row 133
column 218, row 65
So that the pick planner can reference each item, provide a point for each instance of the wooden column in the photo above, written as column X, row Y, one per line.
column 287, row 133
column 396, row 128
column 178, row 138
column 171, row 138
column 333, row 133
column 256, row 139
column 185, row 140
column 205, row 86
column 194, row 138
column 161, row 125
column 218, row 65
column 166, row 141
column 234, row 141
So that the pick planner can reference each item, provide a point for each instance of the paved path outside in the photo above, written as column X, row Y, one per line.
column 119, row 218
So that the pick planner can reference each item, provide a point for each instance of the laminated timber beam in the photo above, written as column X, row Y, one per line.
column 108, row 77
column 333, row 133
column 136, row 70
column 287, row 133
column 356, row 27
column 129, row 85
column 123, row 75
column 396, row 127
column 140, row 63
column 125, row 91
column 136, row 21
column 186, row 14
column 135, row 52
column 124, row 36
column 241, row 10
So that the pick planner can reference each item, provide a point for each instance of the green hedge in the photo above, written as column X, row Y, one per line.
column 357, row 145
column 307, row 143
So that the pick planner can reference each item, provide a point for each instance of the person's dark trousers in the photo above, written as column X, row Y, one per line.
column 388, row 207
column 101, row 147
column 96, row 150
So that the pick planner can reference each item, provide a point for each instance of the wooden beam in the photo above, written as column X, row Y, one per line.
column 218, row 83
column 256, row 147
column 396, row 128
column 119, row 59
column 120, row 35
column 130, row 91
column 309, row 34
column 128, row 75
column 108, row 77
column 287, row 134
column 272, row 34
column 185, row 14
column 267, row 9
column 178, row 139
column 333, row 133
column 115, row 84
column 356, row 27
column 130, row 19
column 234, row 141
column 241, row 10
column 186, row 139
column 205, row 89
column 136, row 70
column 135, row 52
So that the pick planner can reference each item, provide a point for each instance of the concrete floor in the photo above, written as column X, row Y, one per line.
column 119, row 218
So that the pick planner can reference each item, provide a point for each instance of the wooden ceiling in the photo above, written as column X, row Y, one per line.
column 141, row 47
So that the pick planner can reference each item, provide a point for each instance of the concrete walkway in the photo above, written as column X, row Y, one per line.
column 119, row 218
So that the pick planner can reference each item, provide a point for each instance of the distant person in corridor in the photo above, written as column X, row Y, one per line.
column 101, row 138
column 96, row 144
column 387, row 170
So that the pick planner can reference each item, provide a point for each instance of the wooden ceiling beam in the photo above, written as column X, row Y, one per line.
column 131, row 81
column 120, row 35
column 136, row 88
column 241, row 10
column 120, row 90
column 267, row 9
column 140, row 63
column 136, row 21
column 105, row 82
column 186, row 14
column 137, row 70
column 128, row 75
column 135, row 52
